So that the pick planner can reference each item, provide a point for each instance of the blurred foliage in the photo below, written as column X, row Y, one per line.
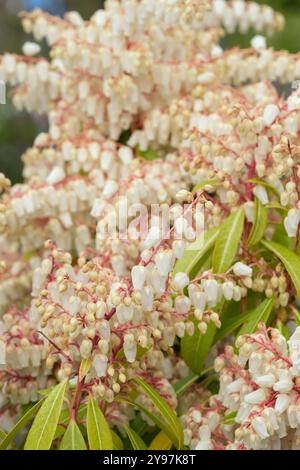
column 288, row 39
column 17, row 130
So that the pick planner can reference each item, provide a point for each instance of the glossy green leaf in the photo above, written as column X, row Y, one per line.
column 161, row 442
column 65, row 418
column 20, row 424
column 290, row 260
column 136, row 441
column 43, row 429
column 194, row 349
column 157, row 420
column 259, row 225
column 227, row 242
column 231, row 324
column 117, row 441
column 182, row 385
column 165, row 411
column 3, row 434
column 73, row 439
column 98, row 431
column 195, row 253
column 260, row 314
column 149, row 154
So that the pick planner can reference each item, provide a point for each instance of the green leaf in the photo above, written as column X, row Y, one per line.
column 227, row 242
column 73, row 439
column 195, row 254
column 149, row 154
column 117, row 441
column 182, row 385
column 194, row 349
column 42, row 432
column 259, row 225
column 260, row 314
column 136, row 441
column 290, row 260
column 230, row 325
column 20, row 424
column 99, row 435
column 65, row 418
column 165, row 411
column 161, row 442
column 3, row 434
column 160, row 423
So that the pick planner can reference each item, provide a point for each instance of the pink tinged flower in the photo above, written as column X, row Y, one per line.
column 126, row 155
column 178, row 248
column 204, row 445
column 228, row 288
column 182, row 304
column 110, row 188
column 211, row 288
column 100, row 364
column 235, row 386
column 147, row 298
column 241, row 269
column 125, row 313
column 2, row 353
column 260, row 428
column 181, row 280
column 259, row 43
column 56, row 175
column 271, row 112
column 291, row 222
column 261, row 193
column 199, row 300
column 255, row 397
column 267, row 380
column 283, row 386
column 130, row 348
column 164, row 262
column 282, row 403
column 138, row 276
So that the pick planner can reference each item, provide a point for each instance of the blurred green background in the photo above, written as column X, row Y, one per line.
column 18, row 130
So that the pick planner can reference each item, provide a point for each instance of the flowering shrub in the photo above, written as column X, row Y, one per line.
column 156, row 235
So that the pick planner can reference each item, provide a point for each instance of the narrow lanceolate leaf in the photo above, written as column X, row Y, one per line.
column 73, row 439
column 259, row 225
column 20, row 424
column 3, row 434
column 260, row 314
column 290, row 260
column 157, row 420
column 160, row 442
column 117, row 441
column 195, row 253
column 136, row 441
column 42, row 432
column 182, row 385
column 99, row 435
column 165, row 411
column 227, row 242
column 194, row 349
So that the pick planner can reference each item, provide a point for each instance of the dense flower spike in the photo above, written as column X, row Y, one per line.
column 158, row 221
